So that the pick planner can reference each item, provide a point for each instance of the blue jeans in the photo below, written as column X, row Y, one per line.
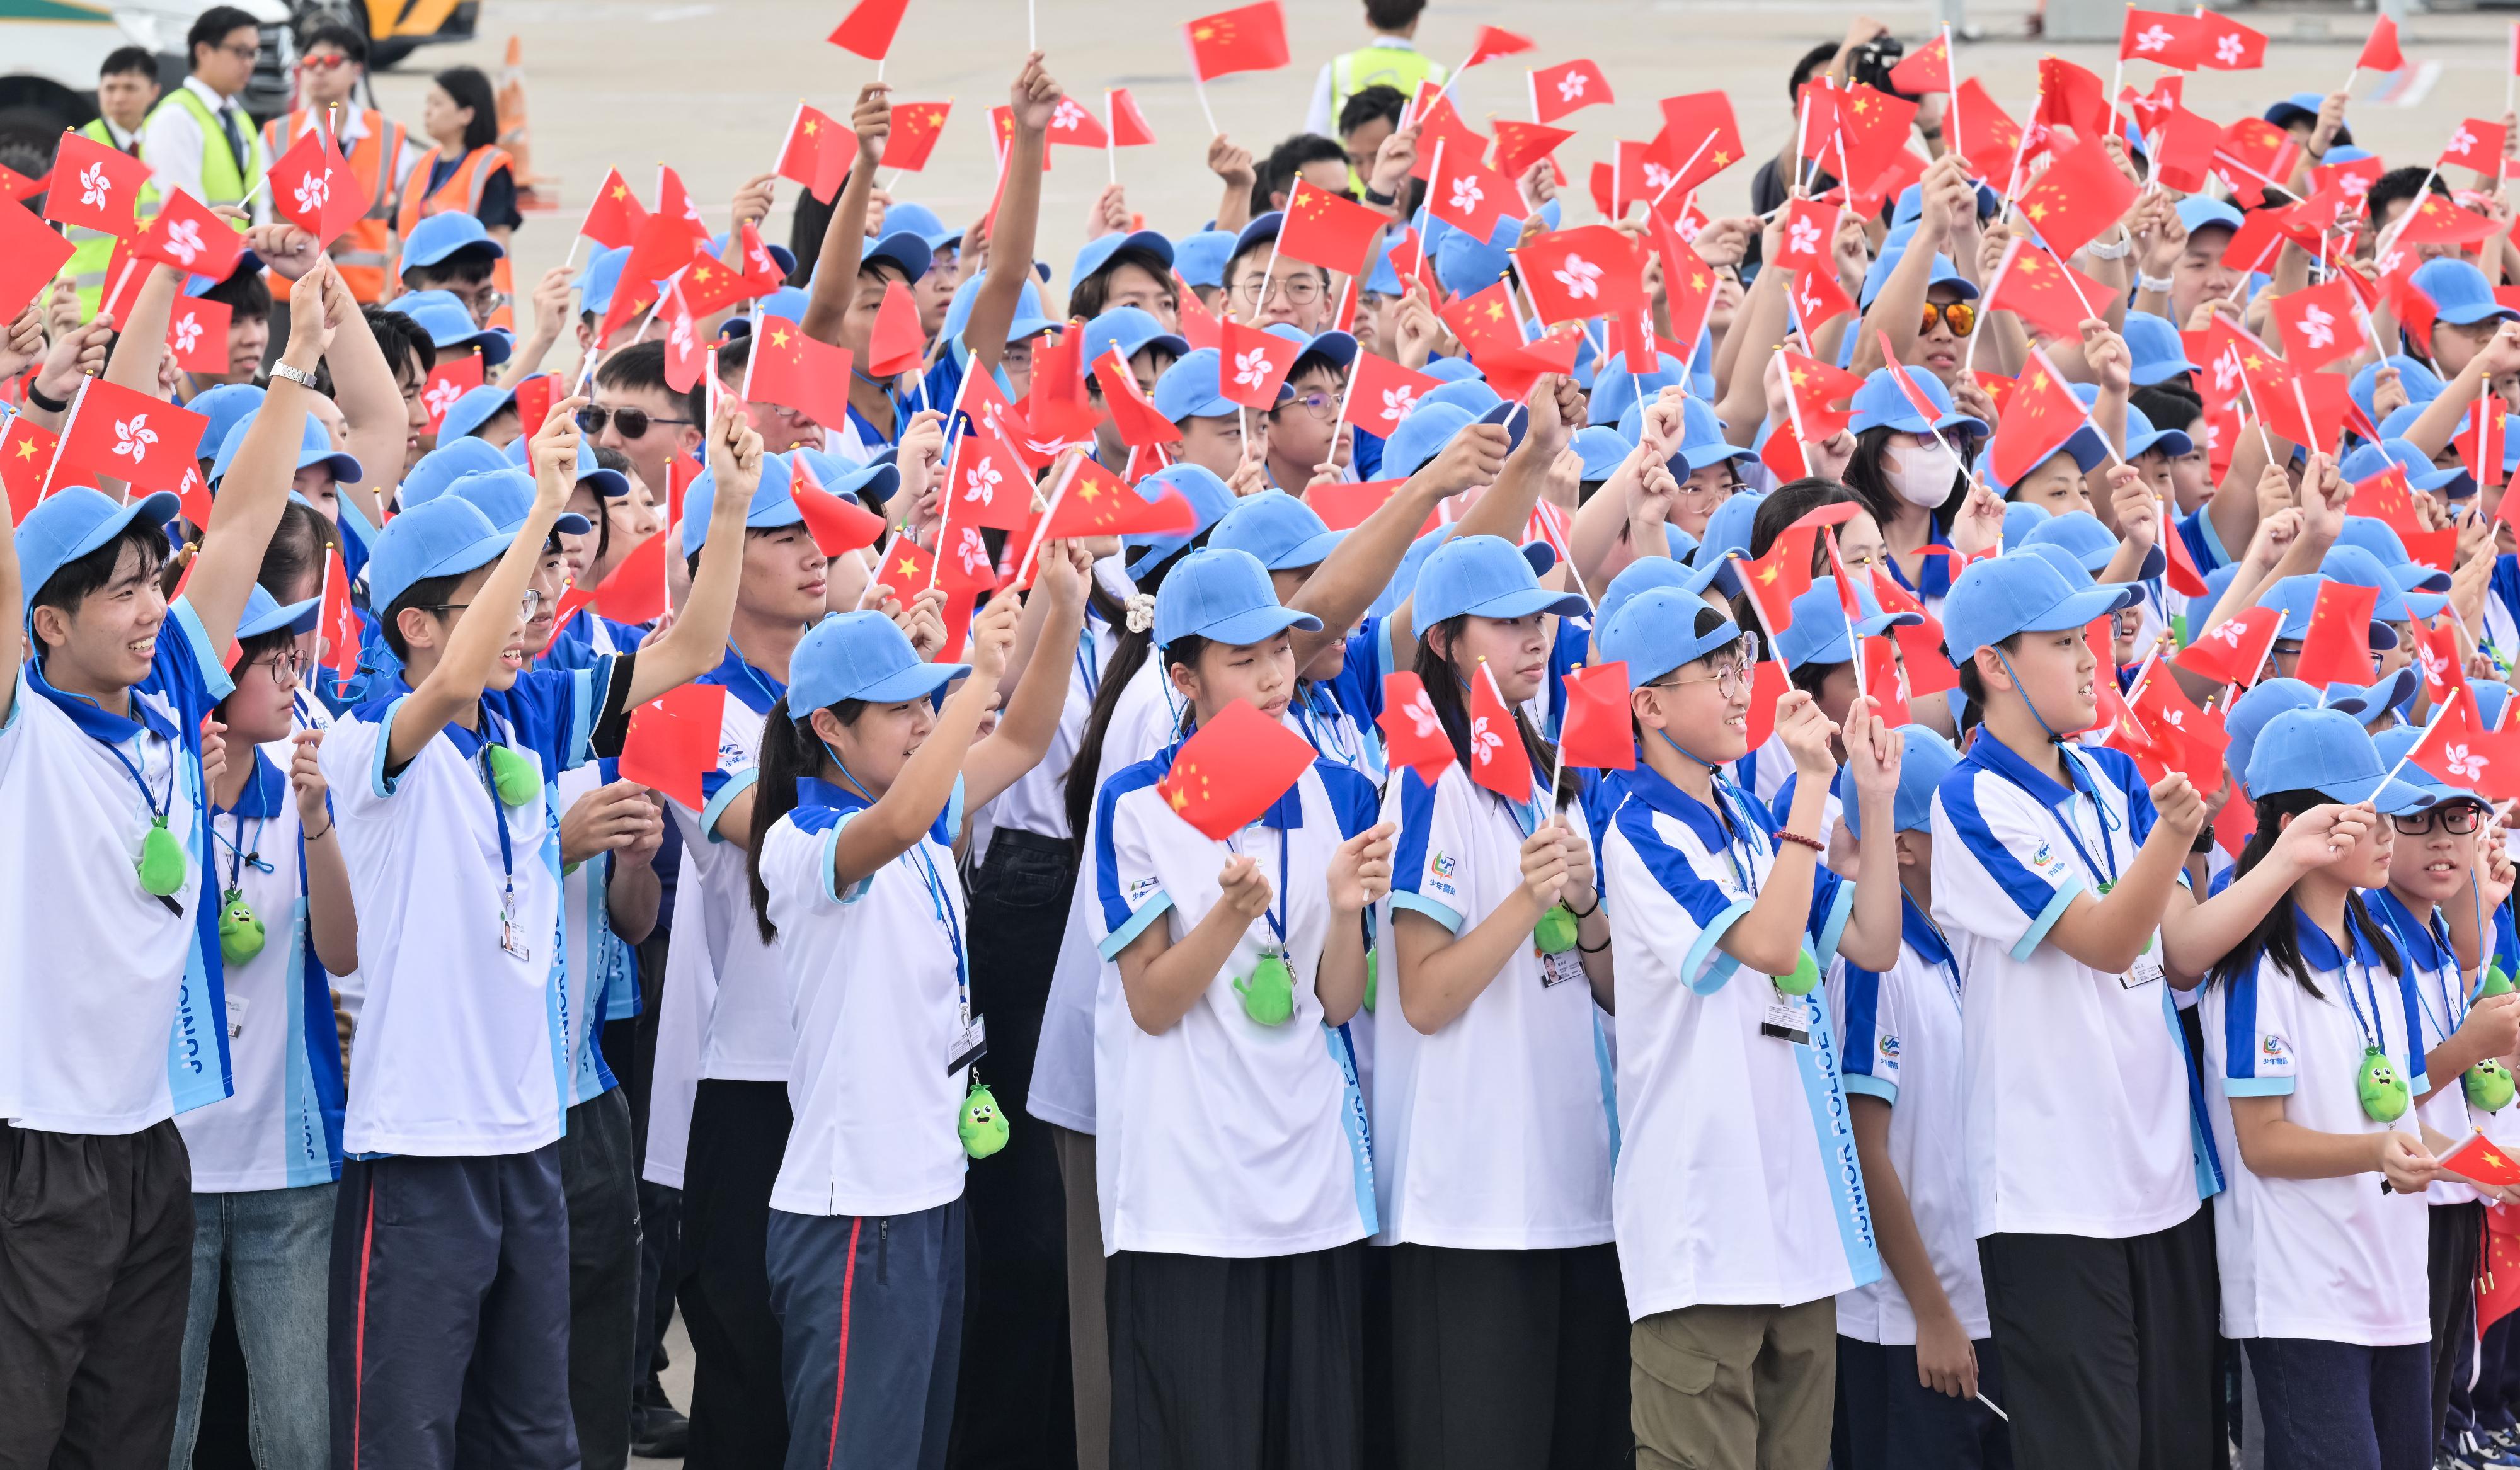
column 274, row 1248
column 2342, row 1407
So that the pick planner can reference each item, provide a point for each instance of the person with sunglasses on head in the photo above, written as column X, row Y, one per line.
column 331, row 60
column 1921, row 294
column 2449, row 877
column 639, row 414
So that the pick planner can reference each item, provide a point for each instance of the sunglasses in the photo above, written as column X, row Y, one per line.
column 323, row 62
column 632, row 423
column 1959, row 316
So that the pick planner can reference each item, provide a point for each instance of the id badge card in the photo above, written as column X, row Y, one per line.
column 969, row 1045
column 236, row 1015
column 1788, row 1022
column 2147, row 969
column 513, row 939
column 1558, row 969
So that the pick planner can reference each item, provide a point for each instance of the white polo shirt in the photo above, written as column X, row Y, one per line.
column 601, row 968
column 2102, row 1138
column 2441, row 995
column 877, row 1112
column 1037, row 802
column 1494, row 1132
column 463, row 1043
column 674, row 1080
column 127, row 1036
column 2332, row 1259
column 1144, row 719
column 1901, row 1035
column 1737, row 1182
column 748, row 1035
column 281, row 1128
column 1222, row 1136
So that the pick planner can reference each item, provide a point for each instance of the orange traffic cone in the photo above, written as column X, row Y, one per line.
column 534, row 193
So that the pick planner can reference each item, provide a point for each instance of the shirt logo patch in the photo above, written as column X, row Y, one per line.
column 1442, row 867
column 1140, row 889
column 2274, row 1056
column 1886, row 1046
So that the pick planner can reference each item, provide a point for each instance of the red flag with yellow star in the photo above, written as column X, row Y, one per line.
column 1096, row 503
column 792, row 370
column 2483, row 1160
column 1484, row 322
column 1323, row 229
column 1699, row 126
column 1820, row 393
column 2045, row 292
column 818, row 151
column 1233, row 769
column 1247, row 38
column 613, row 217
column 2040, row 416
column 916, row 127
column 26, row 453
column 2082, row 193
column 1984, row 134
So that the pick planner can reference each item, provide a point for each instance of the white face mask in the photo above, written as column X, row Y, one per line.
column 1921, row 475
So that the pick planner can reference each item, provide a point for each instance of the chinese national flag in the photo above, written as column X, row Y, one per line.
column 1096, row 503
column 1820, row 393
column 1412, row 734
column 31, row 255
column 1926, row 668
column 988, row 483
column 1512, row 370
column 312, row 186
column 117, row 433
column 2319, row 325
column 15, row 186
column 2380, row 51
column 868, row 28
column 2074, row 97
column 2082, row 193
column 1984, row 133
column 1928, row 69
column 1688, row 283
column 634, row 592
column 1141, row 427
column 2166, row 40
column 337, row 623
column 1381, row 392
column 534, row 401
column 1494, row 42
column 613, row 217
column 2481, row 448
column 1567, row 87
column 1520, row 145
column 1597, row 732
column 2482, row 1160
column 1484, row 322
column 1578, row 274
column 26, row 453
column 1767, row 688
column 187, row 235
column 196, row 334
column 1247, row 38
column 1873, row 125
column 2337, row 649
column 908, row 569
column 1776, row 579
column 2437, row 221
column 819, row 150
column 712, row 284
column 1325, row 230
column 1056, row 411
column 838, row 522
column 95, row 186
column 2235, row 649
column 1700, row 125
column 2230, row 46
column 673, row 740
column 2041, row 414
column 663, row 247
column 2386, row 497
column 451, row 379
column 1233, row 769
column 1253, row 364
column 1127, row 121
column 792, row 370
column 1499, row 760
column 2045, row 292
column 1199, row 325
column 2184, row 147
column 896, row 344
column 916, row 127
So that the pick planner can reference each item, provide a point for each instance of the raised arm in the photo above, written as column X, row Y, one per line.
column 1356, row 571
column 142, row 346
column 917, row 796
column 696, row 643
column 363, row 384
column 1033, row 98
column 1030, row 716
column 835, row 268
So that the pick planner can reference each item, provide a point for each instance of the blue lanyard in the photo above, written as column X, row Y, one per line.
column 498, row 818
column 238, row 855
column 2072, row 828
column 769, row 695
column 2370, row 990
column 1328, row 731
column 1276, row 911
column 1089, row 658
column 157, row 812
column 943, row 905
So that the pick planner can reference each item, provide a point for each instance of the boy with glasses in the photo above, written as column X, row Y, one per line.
column 636, row 414
column 1263, row 291
column 1304, row 437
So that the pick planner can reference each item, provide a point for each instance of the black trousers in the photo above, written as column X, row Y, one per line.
column 597, row 1175
column 738, row 1400
column 1016, row 1408
column 1509, row 1360
column 96, row 1275
column 2458, row 1240
column 2108, row 1347
column 1887, row 1420
column 1235, row 1364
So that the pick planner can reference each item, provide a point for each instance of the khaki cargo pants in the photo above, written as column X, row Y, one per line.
column 1734, row 1388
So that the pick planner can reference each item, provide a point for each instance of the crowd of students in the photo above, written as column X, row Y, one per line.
column 1893, row 1051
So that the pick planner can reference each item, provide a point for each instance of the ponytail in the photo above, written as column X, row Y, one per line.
column 2275, row 935
column 1128, row 656
column 789, row 751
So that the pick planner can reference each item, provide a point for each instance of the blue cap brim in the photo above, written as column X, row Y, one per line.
column 297, row 617
column 1526, row 600
column 917, row 682
column 344, row 468
column 2392, row 798
column 611, row 484
column 2079, row 609
column 1311, row 551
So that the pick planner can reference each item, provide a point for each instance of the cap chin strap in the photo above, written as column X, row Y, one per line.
column 845, row 774
column 1711, row 766
column 2024, row 695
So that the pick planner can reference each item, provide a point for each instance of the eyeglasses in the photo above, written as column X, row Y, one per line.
column 243, row 53
column 533, row 601
column 1301, row 288
column 285, row 666
column 1959, row 316
column 1318, row 404
column 2458, row 818
column 322, row 63
column 1708, row 495
column 1729, row 678
column 632, row 423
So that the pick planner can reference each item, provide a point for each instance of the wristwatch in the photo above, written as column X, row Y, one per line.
column 296, row 376
column 2161, row 283
column 2118, row 252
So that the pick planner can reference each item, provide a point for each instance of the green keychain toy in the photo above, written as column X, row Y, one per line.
column 516, row 779
column 241, row 933
column 1556, row 931
column 162, row 860
column 2382, row 1090
column 1373, row 965
column 983, row 1129
column 2489, row 1085
column 1268, row 996
column 2496, row 982
column 1806, row 975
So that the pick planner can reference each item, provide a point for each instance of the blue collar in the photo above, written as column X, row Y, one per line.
column 93, row 721
column 2005, row 761
column 263, row 792
column 753, row 685
column 1656, row 790
column 384, row 688
column 2322, row 954
column 814, row 791
column 2427, row 944
column 1920, row 931
column 1934, row 576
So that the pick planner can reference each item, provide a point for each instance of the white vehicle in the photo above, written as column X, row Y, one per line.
column 50, row 51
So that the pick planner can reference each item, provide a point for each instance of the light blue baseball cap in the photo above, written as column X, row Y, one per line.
column 1470, row 393
column 2160, row 354
column 1656, row 631
column 1224, row 595
column 447, row 537
column 1484, row 576
column 2423, row 589
column 71, row 523
column 2368, row 459
column 224, row 406
column 2200, row 211
column 774, row 503
column 861, row 656
column 1998, row 597
column 443, row 467
column 435, row 238
column 314, row 447
column 1645, row 574
column 1210, row 500
column 1615, row 390
column 2358, row 567
column 1817, row 632
column 1879, row 403
column 1335, row 347
column 1702, row 441
column 2020, row 518
column 2141, row 436
column 596, row 283
column 2420, row 385
column 1278, row 529
column 1605, row 449
column 1926, row 758
column 2249, row 714
column 903, row 251
column 505, row 497
column 2296, row 598
column 1421, row 436
column 478, row 406
column 1130, row 329
column 608, row 484
column 918, row 219
column 449, row 325
column 2393, row 744
column 263, row 613
column 1200, row 259
column 1942, row 273
column 2367, row 702
column 1098, row 252
column 2459, row 293
column 2090, row 544
column 2325, row 751
column 1029, row 319
column 1190, row 388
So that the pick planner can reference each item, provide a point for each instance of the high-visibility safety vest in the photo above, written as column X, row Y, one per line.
column 461, row 193
column 91, row 250
column 223, row 180
column 363, row 249
column 1378, row 65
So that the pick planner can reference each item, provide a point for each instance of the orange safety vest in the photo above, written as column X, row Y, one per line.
column 459, row 193
column 362, row 252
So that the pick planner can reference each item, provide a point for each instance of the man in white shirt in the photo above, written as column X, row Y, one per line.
column 223, row 44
